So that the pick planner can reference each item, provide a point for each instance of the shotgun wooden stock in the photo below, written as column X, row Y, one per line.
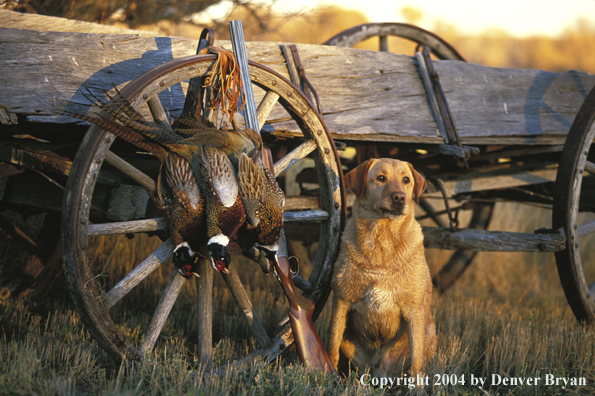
column 309, row 345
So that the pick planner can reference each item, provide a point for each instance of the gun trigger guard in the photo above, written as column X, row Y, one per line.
column 294, row 266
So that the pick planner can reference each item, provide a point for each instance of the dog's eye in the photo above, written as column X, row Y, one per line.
column 381, row 178
column 406, row 180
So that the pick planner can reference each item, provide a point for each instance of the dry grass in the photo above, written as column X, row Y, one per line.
column 507, row 315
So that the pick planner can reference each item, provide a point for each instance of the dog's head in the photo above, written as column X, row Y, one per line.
column 386, row 187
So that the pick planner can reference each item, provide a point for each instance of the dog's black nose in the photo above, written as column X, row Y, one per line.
column 398, row 197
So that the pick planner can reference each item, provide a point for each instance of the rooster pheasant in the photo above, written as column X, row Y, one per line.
column 264, row 203
column 211, row 186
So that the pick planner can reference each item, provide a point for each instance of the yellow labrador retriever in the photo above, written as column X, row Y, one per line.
column 382, row 288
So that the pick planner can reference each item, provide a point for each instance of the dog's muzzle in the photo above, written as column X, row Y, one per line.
column 396, row 207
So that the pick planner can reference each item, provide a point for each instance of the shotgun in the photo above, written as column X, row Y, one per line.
column 309, row 345
column 310, row 348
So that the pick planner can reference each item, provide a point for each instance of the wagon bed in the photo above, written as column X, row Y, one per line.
column 367, row 96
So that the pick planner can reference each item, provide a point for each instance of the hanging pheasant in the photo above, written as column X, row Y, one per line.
column 185, row 210
column 225, row 209
column 264, row 203
column 211, row 180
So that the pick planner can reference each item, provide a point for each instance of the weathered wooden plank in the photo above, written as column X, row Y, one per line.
column 32, row 190
column 44, row 161
column 492, row 241
column 17, row 20
column 6, row 117
column 366, row 95
column 467, row 183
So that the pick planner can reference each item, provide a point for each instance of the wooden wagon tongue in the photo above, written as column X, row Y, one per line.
column 310, row 348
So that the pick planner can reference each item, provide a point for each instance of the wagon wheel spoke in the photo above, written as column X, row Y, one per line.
column 586, row 229
column 266, row 106
column 204, row 302
column 128, row 227
column 305, row 215
column 232, row 280
column 300, row 152
column 144, row 269
column 130, row 171
column 170, row 294
column 590, row 167
column 158, row 113
column 383, row 43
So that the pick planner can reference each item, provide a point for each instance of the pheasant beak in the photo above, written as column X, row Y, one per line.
column 187, row 271
column 219, row 257
column 184, row 261
column 267, row 259
column 219, row 265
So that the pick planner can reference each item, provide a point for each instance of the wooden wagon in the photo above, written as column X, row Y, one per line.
column 518, row 134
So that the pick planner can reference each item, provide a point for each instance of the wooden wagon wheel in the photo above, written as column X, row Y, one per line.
column 94, row 303
column 357, row 34
column 574, row 212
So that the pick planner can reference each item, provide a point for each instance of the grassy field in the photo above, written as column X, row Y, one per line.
column 505, row 321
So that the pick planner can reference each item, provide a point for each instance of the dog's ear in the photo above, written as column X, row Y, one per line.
column 356, row 178
column 420, row 183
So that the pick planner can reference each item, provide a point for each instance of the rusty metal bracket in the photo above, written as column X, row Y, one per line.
column 297, row 74
column 193, row 102
column 441, row 110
